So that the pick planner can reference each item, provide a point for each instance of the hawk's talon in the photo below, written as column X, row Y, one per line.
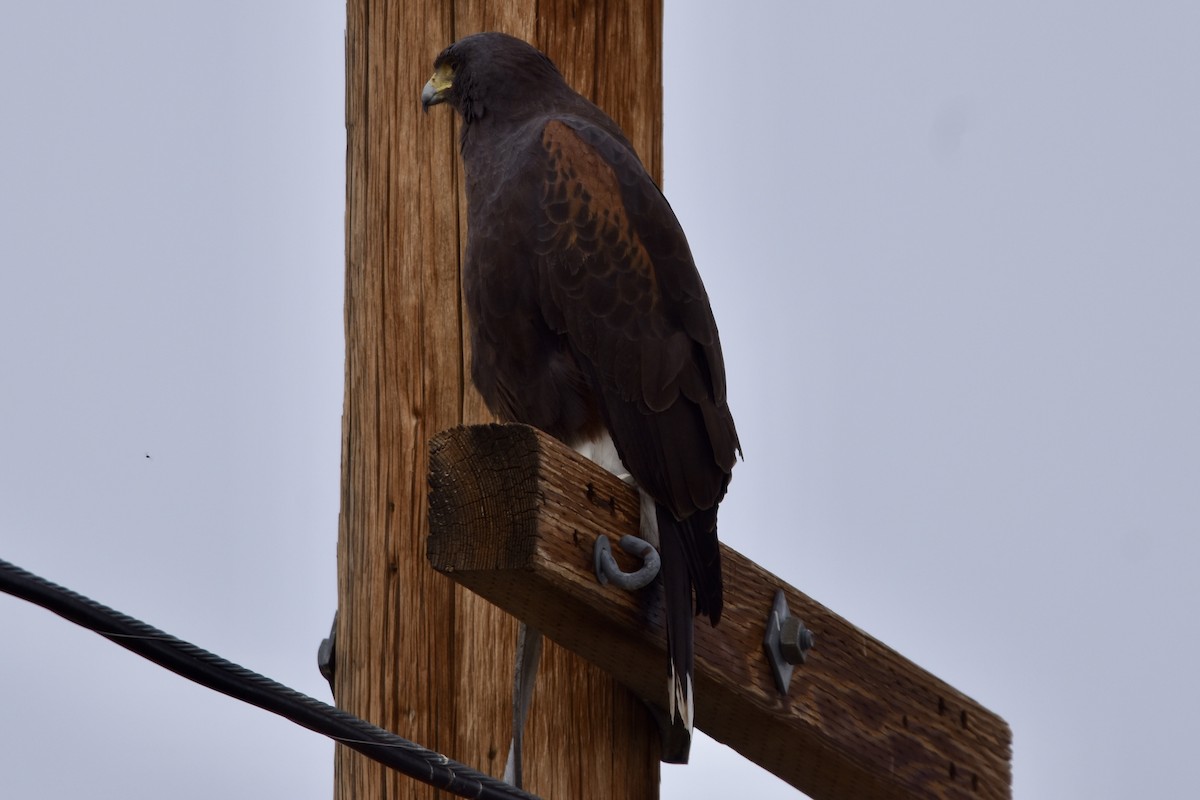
column 608, row 570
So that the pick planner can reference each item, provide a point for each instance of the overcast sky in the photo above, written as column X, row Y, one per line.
column 954, row 252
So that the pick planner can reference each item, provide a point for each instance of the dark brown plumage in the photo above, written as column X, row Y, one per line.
column 587, row 313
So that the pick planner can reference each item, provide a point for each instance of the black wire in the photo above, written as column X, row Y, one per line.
column 207, row 669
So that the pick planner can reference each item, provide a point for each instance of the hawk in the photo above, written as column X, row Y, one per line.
column 587, row 316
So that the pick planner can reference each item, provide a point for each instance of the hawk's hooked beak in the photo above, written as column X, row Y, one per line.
column 437, row 87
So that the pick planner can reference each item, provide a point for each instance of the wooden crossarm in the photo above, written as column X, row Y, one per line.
column 514, row 515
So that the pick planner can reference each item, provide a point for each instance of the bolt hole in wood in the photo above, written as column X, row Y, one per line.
column 594, row 497
column 953, row 771
column 974, row 783
column 962, row 717
column 941, row 706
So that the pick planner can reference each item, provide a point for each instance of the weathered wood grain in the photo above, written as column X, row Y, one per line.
column 514, row 515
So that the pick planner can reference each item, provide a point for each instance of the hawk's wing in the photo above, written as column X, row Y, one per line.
column 615, row 274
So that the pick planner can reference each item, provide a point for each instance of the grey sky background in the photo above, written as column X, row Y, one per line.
column 954, row 253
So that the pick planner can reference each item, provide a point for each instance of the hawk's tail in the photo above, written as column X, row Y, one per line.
column 677, row 592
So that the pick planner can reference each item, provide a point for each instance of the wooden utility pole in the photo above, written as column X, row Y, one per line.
column 416, row 653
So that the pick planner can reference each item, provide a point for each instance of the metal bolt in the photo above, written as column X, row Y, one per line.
column 785, row 641
column 795, row 640
column 327, row 653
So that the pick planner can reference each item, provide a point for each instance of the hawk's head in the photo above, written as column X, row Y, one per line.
column 490, row 73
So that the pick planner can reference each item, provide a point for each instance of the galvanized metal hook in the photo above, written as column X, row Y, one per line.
column 608, row 570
